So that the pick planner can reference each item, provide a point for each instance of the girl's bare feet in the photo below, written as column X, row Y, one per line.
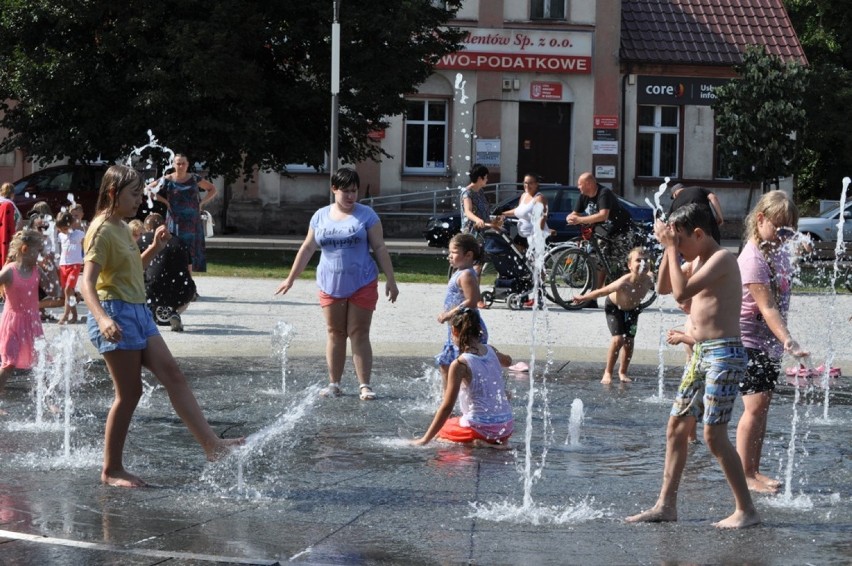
column 121, row 478
column 606, row 379
column 771, row 482
column 756, row 484
column 222, row 448
column 656, row 514
column 623, row 377
column 739, row 520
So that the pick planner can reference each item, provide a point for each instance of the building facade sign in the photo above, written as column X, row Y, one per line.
column 522, row 50
column 677, row 91
column 545, row 90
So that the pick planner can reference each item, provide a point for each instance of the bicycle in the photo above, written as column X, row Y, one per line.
column 575, row 270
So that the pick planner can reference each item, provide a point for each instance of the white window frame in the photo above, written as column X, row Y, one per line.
column 440, row 169
column 547, row 9
column 657, row 130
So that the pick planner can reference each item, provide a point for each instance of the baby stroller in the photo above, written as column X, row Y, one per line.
column 514, row 278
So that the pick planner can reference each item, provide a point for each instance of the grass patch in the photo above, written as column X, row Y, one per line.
column 275, row 264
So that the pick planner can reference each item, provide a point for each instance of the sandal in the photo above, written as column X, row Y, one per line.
column 333, row 390
column 820, row 370
column 800, row 371
column 366, row 392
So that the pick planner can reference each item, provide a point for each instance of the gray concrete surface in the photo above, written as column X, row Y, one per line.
column 333, row 481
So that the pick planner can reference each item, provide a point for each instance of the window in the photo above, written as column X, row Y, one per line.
column 547, row 10
column 426, row 137
column 7, row 159
column 306, row 168
column 658, row 141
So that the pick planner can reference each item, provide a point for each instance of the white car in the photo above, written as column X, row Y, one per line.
column 823, row 228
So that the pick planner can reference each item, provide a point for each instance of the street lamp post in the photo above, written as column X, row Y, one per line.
column 335, row 88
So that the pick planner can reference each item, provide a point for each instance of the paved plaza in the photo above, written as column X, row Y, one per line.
column 334, row 481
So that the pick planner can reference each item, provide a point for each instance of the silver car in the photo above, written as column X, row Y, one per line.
column 823, row 228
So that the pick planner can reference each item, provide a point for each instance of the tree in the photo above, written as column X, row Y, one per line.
column 234, row 83
column 758, row 116
column 824, row 28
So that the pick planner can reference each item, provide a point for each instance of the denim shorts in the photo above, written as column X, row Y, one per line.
column 136, row 323
column 711, row 381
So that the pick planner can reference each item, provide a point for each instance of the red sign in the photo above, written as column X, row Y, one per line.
column 606, row 122
column 541, row 90
column 376, row 135
column 542, row 63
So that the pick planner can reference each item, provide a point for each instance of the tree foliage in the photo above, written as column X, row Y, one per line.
column 824, row 28
column 758, row 116
column 234, row 83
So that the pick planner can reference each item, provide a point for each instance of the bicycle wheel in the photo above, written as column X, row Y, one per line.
column 573, row 274
column 549, row 261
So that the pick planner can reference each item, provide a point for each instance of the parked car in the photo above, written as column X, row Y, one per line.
column 561, row 200
column 58, row 185
column 824, row 227
column 61, row 185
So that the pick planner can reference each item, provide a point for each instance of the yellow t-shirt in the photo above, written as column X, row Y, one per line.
column 112, row 247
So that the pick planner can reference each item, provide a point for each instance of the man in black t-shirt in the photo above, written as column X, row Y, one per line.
column 703, row 197
column 598, row 205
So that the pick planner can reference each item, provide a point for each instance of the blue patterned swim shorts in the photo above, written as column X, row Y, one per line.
column 710, row 382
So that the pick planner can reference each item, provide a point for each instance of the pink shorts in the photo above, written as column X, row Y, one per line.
column 454, row 432
column 367, row 297
column 68, row 275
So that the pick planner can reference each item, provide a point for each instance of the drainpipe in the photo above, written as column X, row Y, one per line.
column 623, row 112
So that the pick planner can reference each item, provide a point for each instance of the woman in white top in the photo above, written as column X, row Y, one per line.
column 523, row 212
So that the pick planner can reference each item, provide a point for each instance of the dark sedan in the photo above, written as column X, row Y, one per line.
column 561, row 200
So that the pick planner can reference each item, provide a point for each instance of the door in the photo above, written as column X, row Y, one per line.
column 544, row 141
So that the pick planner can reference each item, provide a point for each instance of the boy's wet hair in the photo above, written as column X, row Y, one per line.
column 692, row 216
column 467, row 243
column 345, row 177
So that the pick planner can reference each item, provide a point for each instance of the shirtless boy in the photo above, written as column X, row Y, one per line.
column 622, row 310
column 710, row 381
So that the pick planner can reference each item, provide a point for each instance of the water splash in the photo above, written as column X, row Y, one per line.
column 270, row 442
column 658, row 208
column 459, row 86
column 535, row 255
column 153, row 143
column 839, row 252
column 575, row 422
column 506, row 512
column 282, row 336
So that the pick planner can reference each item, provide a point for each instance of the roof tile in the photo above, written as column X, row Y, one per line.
column 705, row 32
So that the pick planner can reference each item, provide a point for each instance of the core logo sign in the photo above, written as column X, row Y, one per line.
column 678, row 90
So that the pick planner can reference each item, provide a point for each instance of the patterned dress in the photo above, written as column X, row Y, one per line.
column 185, row 216
column 20, row 324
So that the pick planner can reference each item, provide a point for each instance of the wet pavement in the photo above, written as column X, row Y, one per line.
column 334, row 481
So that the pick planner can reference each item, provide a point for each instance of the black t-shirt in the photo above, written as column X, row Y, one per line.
column 690, row 195
column 699, row 196
column 605, row 199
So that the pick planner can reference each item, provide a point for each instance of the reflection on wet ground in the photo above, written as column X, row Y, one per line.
column 334, row 480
